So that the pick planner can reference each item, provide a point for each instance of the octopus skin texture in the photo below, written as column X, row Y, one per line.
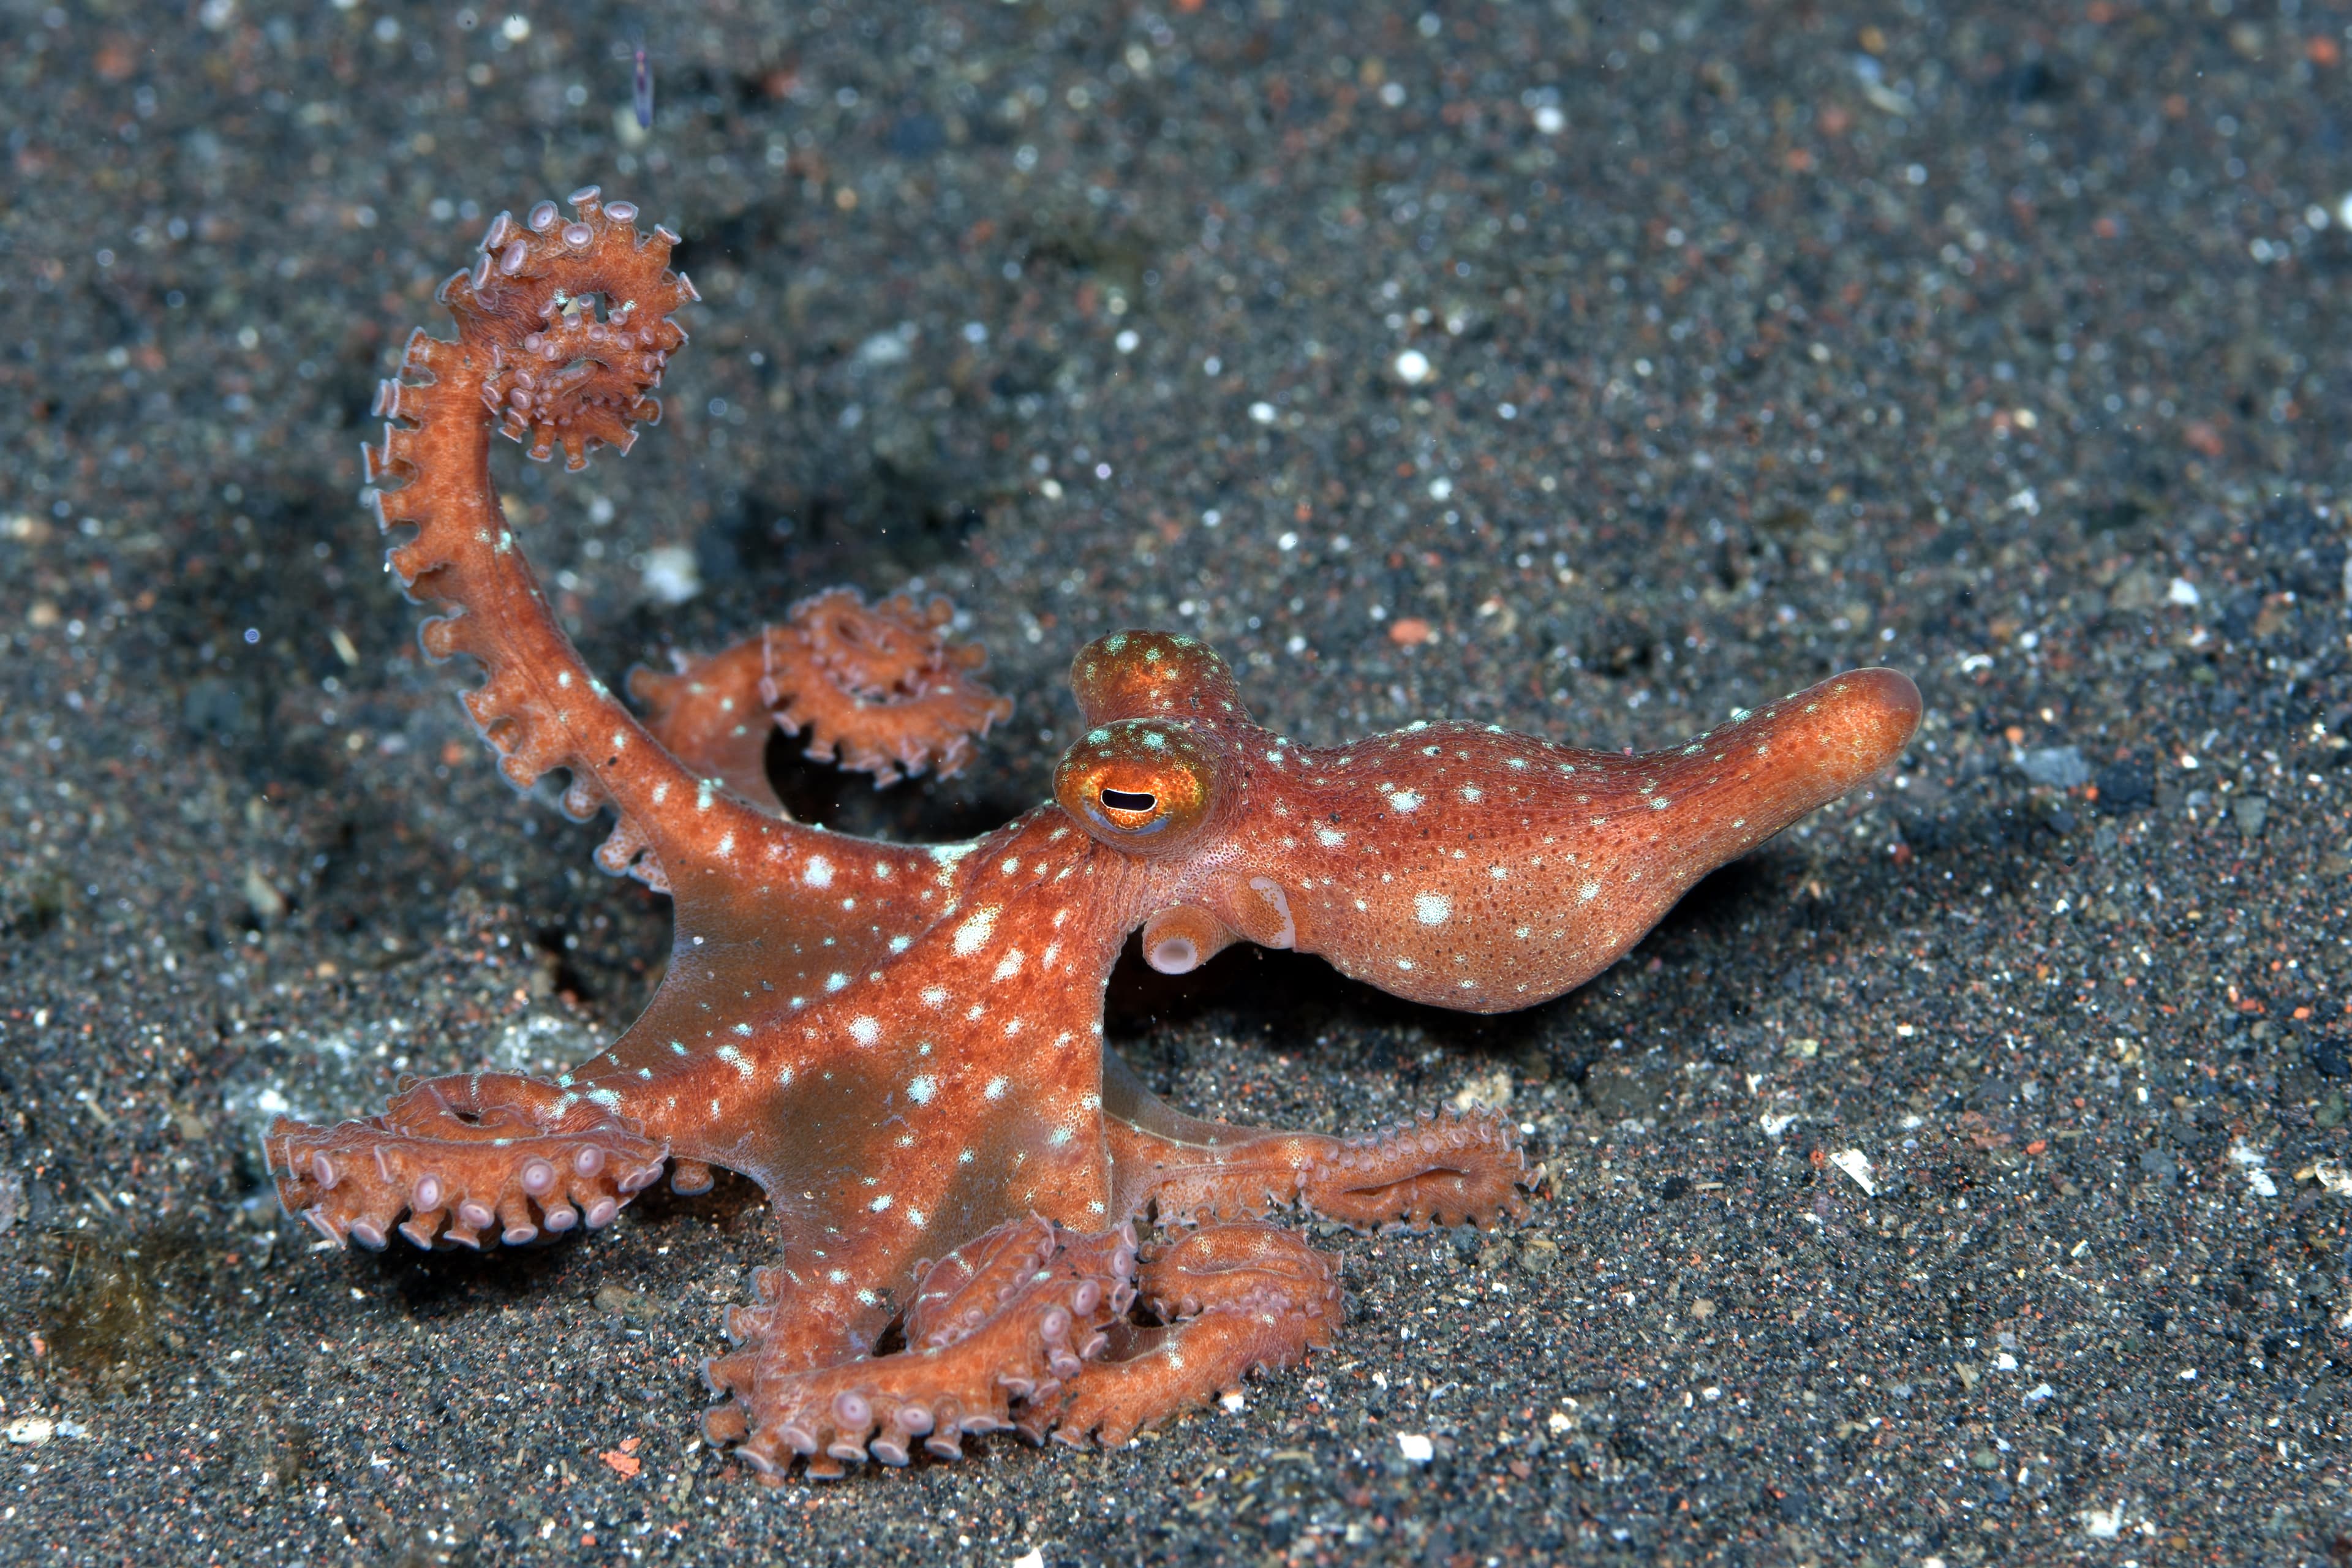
column 903, row 1045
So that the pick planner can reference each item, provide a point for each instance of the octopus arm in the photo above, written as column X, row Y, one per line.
column 538, row 360
column 1448, row 1170
column 1017, row 1313
column 876, row 689
column 464, row 1158
column 1231, row 1299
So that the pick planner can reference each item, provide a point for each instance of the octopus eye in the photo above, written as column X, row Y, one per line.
column 1141, row 785
column 1127, row 811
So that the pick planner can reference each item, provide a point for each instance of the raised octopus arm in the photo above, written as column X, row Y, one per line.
column 564, row 329
column 537, row 359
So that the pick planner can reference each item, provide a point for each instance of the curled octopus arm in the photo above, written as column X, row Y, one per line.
column 537, row 360
column 877, row 689
column 564, row 329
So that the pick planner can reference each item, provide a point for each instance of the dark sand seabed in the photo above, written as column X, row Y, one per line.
column 2006, row 346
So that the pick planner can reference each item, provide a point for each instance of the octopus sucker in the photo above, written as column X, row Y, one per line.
column 903, row 1045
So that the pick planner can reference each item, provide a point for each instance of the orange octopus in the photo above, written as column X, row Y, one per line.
column 903, row 1045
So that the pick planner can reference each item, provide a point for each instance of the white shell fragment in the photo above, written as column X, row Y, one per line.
column 1856, row 1163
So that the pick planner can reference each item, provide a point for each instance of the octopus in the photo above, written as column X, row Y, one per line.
column 984, row 1219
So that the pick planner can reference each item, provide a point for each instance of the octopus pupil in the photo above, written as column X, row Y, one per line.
column 1129, row 800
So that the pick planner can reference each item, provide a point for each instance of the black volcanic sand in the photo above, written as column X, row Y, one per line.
column 2006, row 347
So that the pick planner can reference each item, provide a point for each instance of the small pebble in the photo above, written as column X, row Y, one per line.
column 2059, row 767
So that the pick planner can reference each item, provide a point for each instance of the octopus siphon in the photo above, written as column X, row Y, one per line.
column 985, row 1221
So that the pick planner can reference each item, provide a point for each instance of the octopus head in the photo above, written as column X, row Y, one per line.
column 1156, row 775
column 1136, row 674
column 1164, row 790
column 1159, row 777
column 1146, row 787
